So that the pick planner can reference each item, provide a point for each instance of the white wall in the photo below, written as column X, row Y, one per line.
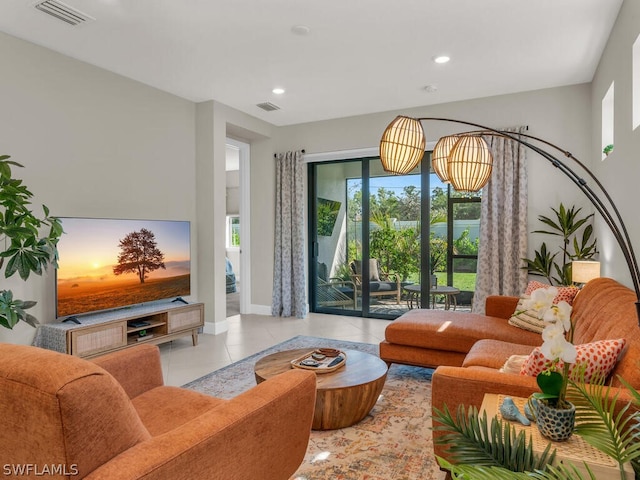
column 620, row 171
column 93, row 144
column 559, row 115
column 98, row 144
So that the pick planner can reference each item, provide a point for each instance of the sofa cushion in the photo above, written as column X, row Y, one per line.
column 162, row 409
column 453, row 331
column 494, row 353
column 374, row 274
column 565, row 293
column 383, row 286
column 599, row 357
column 606, row 309
column 528, row 319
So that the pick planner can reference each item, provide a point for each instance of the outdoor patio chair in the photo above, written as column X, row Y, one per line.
column 381, row 283
column 336, row 293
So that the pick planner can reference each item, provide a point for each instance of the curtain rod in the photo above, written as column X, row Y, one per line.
column 275, row 155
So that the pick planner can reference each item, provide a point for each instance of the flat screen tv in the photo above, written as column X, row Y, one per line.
column 105, row 264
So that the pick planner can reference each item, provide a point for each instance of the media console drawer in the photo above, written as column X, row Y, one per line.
column 185, row 318
column 109, row 331
column 98, row 339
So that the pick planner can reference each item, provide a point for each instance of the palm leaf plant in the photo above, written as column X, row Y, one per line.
column 26, row 251
column 566, row 224
column 477, row 450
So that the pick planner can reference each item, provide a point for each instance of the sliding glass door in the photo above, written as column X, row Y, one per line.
column 366, row 235
column 336, row 236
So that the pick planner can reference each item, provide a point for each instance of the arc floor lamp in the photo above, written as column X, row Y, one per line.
column 465, row 161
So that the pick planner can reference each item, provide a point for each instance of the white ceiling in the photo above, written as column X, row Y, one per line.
column 360, row 56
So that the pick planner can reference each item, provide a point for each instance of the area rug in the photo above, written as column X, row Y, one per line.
column 392, row 442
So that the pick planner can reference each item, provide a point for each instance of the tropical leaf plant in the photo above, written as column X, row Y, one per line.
column 473, row 472
column 542, row 264
column 475, row 452
column 26, row 251
column 471, row 439
column 567, row 224
column 616, row 434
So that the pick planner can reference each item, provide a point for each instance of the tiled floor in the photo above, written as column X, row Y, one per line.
column 249, row 334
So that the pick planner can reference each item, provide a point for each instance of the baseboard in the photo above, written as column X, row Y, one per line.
column 260, row 309
column 215, row 328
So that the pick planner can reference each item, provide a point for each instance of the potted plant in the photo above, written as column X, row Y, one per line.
column 479, row 449
column 608, row 149
column 25, row 250
column 567, row 225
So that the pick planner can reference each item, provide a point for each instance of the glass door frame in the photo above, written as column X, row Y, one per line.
column 313, row 244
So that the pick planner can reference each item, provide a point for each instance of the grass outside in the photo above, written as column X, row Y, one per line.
column 462, row 281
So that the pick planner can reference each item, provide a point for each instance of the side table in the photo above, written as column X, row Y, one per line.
column 344, row 396
column 414, row 300
column 575, row 450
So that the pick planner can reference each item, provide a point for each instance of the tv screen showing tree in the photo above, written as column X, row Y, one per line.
column 109, row 263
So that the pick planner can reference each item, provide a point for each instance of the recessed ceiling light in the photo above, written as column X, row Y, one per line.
column 441, row 59
column 300, row 30
column 278, row 91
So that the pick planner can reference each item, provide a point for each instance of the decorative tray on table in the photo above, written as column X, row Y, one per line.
column 321, row 360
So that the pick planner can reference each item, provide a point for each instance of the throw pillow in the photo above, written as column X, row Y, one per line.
column 513, row 364
column 521, row 318
column 600, row 356
column 374, row 275
column 566, row 293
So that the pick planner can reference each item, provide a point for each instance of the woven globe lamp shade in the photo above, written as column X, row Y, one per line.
column 470, row 164
column 440, row 156
column 402, row 145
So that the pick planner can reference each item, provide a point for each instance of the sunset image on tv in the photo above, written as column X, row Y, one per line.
column 105, row 264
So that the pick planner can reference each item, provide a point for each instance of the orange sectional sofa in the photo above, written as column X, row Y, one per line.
column 113, row 418
column 469, row 349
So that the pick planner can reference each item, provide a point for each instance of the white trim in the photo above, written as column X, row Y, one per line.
column 245, row 222
column 341, row 155
column 350, row 154
column 215, row 328
column 260, row 309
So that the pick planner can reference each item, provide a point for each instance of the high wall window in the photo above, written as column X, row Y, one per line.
column 607, row 121
column 635, row 78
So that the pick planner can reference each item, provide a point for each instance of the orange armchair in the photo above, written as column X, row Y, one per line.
column 113, row 418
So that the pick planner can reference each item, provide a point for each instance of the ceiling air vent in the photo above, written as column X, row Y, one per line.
column 63, row 12
column 268, row 106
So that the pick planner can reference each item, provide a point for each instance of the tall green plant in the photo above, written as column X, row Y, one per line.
column 567, row 224
column 25, row 250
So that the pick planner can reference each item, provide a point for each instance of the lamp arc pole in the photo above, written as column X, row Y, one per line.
column 612, row 218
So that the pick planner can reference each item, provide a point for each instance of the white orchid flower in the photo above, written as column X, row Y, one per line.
column 560, row 314
column 552, row 331
column 541, row 300
column 558, row 348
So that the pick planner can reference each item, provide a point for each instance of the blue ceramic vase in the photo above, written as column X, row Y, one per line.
column 554, row 423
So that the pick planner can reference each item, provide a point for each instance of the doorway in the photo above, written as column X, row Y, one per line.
column 237, row 233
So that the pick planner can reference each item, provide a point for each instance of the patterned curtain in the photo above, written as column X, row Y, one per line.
column 503, row 229
column 289, row 283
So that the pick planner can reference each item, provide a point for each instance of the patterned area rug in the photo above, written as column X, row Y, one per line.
column 392, row 442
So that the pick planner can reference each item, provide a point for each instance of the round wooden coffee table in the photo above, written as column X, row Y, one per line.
column 344, row 396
